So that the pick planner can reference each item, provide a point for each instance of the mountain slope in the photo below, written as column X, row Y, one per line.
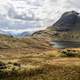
column 67, row 21
column 66, row 28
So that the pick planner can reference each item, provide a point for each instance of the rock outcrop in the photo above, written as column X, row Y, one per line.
column 68, row 21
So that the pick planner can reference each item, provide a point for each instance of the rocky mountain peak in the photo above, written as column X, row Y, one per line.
column 67, row 21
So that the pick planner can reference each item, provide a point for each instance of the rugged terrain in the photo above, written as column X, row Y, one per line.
column 34, row 58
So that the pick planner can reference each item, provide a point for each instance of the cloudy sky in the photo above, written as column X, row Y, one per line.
column 31, row 14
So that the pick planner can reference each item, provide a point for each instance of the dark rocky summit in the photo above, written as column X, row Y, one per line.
column 68, row 21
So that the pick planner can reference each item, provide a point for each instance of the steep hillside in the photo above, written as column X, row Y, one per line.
column 67, row 28
column 69, row 21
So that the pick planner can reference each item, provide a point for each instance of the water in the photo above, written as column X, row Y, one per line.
column 65, row 44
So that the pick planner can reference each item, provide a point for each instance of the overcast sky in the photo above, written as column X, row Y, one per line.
column 24, row 14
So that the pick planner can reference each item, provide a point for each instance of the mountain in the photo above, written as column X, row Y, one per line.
column 24, row 34
column 41, row 39
column 16, row 33
column 66, row 28
column 68, row 21
column 3, row 32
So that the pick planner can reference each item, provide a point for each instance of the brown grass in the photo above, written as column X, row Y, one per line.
column 34, row 59
column 56, row 69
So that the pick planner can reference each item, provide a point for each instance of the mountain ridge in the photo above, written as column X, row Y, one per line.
column 68, row 21
column 66, row 28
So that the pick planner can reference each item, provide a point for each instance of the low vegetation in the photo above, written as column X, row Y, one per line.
column 33, row 58
column 57, row 64
column 55, row 69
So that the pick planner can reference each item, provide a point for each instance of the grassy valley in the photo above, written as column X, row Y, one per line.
column 33, row 58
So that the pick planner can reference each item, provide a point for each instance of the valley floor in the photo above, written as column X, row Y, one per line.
column 38, row 64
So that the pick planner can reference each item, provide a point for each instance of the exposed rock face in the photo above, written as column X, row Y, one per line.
column 67, row 21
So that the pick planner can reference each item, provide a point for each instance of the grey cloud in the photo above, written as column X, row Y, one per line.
column 38, row 10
